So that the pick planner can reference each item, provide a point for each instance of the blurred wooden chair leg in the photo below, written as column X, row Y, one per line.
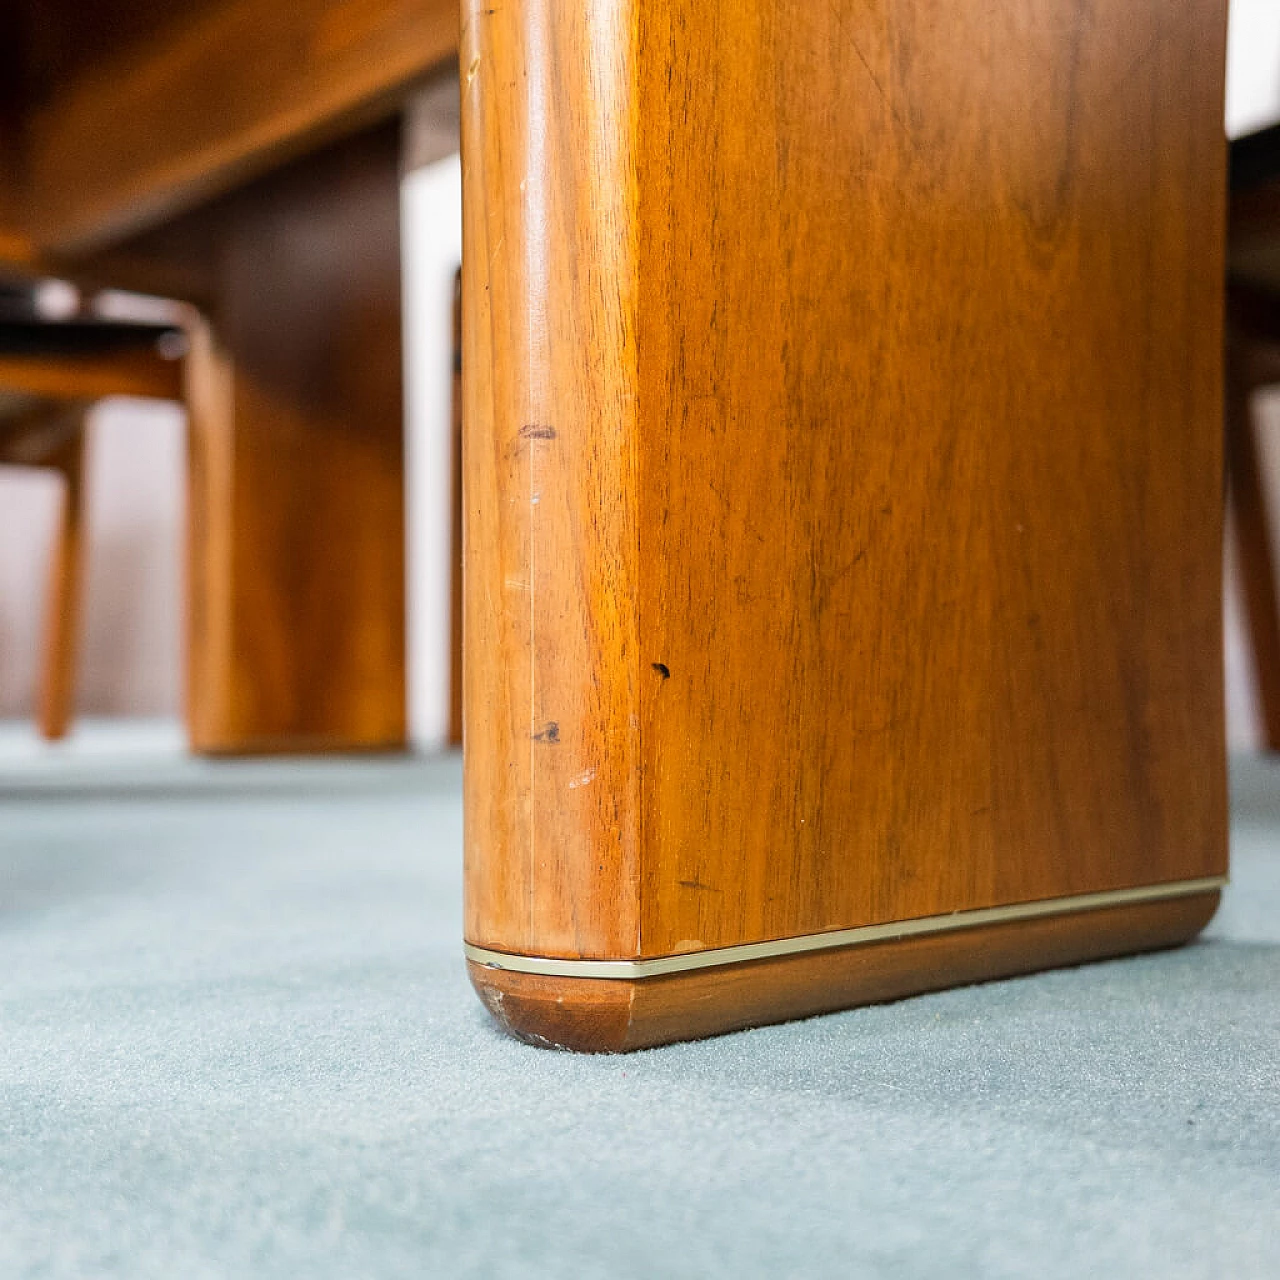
column 1253, row 531
column 62, row 618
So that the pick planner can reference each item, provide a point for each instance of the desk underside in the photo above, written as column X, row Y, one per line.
column 221, row 90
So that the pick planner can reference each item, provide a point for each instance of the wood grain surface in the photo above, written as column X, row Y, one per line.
column 843, row 463
column 296, row 570
column 553, row 659
column 843, row 497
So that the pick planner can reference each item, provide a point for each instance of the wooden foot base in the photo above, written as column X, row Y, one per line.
column 602, row 1015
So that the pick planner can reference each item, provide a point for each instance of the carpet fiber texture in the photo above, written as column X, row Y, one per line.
column 236, row 1039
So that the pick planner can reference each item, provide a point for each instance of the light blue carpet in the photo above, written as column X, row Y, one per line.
column 236, row 1040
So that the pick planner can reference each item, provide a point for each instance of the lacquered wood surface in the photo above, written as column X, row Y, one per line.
column 551, row 693
column 843, row 467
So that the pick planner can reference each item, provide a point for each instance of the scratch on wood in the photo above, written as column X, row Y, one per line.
column 697, row 884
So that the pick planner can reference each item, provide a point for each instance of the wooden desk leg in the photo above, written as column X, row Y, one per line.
column 296, row 614
column 843, row 480
column 66, row 586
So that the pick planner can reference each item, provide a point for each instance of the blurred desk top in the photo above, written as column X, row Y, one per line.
column 117, row 115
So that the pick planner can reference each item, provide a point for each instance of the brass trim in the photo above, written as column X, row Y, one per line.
column 659, row 966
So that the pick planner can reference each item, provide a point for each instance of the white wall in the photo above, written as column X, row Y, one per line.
column 1253, row 65
column 432, row 204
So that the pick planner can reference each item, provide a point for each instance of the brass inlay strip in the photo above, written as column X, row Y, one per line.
column 839, row 938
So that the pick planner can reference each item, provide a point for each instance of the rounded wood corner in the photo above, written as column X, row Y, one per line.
column 618, row 1015
column 575, row 1014
column 1203, row 908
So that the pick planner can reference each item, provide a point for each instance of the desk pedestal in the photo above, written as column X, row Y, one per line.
column 843, row 494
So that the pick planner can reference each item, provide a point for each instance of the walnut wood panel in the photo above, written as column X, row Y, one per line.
column 964, row 556
column 137, row 111
column 296, row 617
column 843, row 463
column 609, row 1016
